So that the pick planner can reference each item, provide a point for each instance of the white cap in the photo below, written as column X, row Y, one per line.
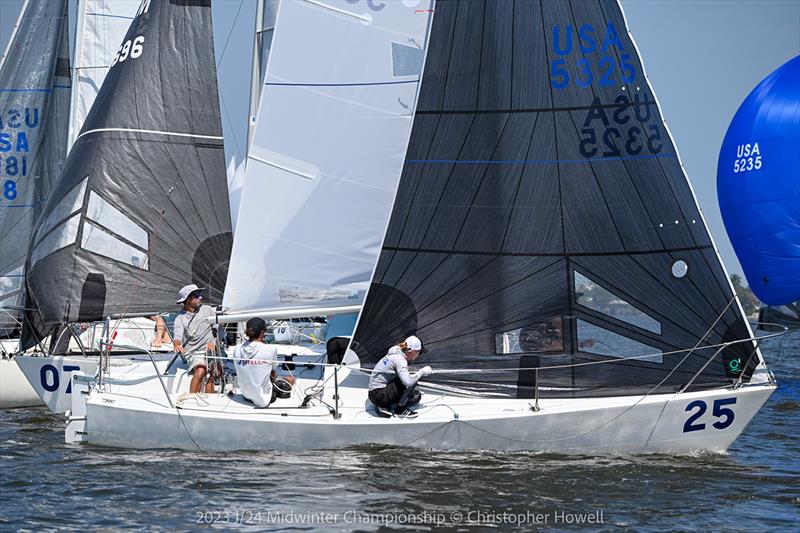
column 186, row 291
column 413, row 343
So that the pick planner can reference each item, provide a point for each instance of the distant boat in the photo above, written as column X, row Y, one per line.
column 776, row 317
column 34, row 112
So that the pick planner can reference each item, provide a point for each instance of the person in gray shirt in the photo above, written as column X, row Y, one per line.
column 391, row 384
column 193, row 335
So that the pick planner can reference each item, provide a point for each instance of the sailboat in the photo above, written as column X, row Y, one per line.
column 544, row 243
column 99, row 29
column 141, row 207
column 757, row 176
column 34, row 107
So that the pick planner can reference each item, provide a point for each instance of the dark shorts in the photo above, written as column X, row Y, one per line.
column 391, row 394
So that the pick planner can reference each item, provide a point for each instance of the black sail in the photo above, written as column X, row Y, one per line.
column 34, row 113
column 543, row 217
column 141, row 207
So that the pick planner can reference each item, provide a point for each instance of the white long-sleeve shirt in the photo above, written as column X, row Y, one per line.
column 392, row 365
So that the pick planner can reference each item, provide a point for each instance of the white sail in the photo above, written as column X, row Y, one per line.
column 101, row 26
column 266, row 13
column 334, row 120
column 235, row 174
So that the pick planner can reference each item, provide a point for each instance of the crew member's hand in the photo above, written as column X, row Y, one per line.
column 178, row 346
column 211, row 346
column 426, row 371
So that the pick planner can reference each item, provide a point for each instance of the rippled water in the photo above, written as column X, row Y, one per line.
column 46, row 484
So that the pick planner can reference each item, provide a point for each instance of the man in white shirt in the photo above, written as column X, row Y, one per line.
column 256, row 363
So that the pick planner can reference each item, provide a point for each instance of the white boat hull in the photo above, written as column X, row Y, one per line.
column 51, row 376
column 664, row 423
column 15, row 391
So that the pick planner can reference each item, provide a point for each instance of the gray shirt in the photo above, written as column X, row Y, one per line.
column 392, row 365
column 192, row 329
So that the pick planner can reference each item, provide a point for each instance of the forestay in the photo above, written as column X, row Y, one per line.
column 101, row 25
column 334, row 120
column 34, row 107
column 141, row 208
column 543, row 218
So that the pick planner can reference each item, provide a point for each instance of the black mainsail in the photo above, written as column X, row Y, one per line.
column 141, row 207
column 543, row 217
column 34, row 113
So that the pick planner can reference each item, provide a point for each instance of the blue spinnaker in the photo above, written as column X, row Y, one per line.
column 758, row 185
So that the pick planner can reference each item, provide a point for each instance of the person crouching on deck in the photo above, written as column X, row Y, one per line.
column 255, row 366
column 390, row 382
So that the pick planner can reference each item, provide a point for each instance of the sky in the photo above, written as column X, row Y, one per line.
column 702, row 58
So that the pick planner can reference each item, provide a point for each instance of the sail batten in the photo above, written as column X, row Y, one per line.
column 543, row 217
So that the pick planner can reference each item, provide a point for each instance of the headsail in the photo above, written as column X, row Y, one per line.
column 142, row 206
column 757, row 184
column 34, row 102
column 334, row 120
column 266, row 14
column 543, row 210
column 101, row 26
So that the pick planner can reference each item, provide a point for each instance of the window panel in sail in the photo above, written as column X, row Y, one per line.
column 97, row 240
column 11, row 282
column 545, row 336
column 406, row 60
column 591, row 294
column 64, row 235
column 113, row 219
column 71, row 203
column 600, row 341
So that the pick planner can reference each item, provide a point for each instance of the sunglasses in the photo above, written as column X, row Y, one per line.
column 196, row 294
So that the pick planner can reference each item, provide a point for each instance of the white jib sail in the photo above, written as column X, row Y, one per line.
column 101, row 26
column 235, row 173
column 333, row 126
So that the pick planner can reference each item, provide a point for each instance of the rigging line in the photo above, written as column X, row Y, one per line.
column 606, row 423
column 233, row 129
column 230, row 33
column 434, row 430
